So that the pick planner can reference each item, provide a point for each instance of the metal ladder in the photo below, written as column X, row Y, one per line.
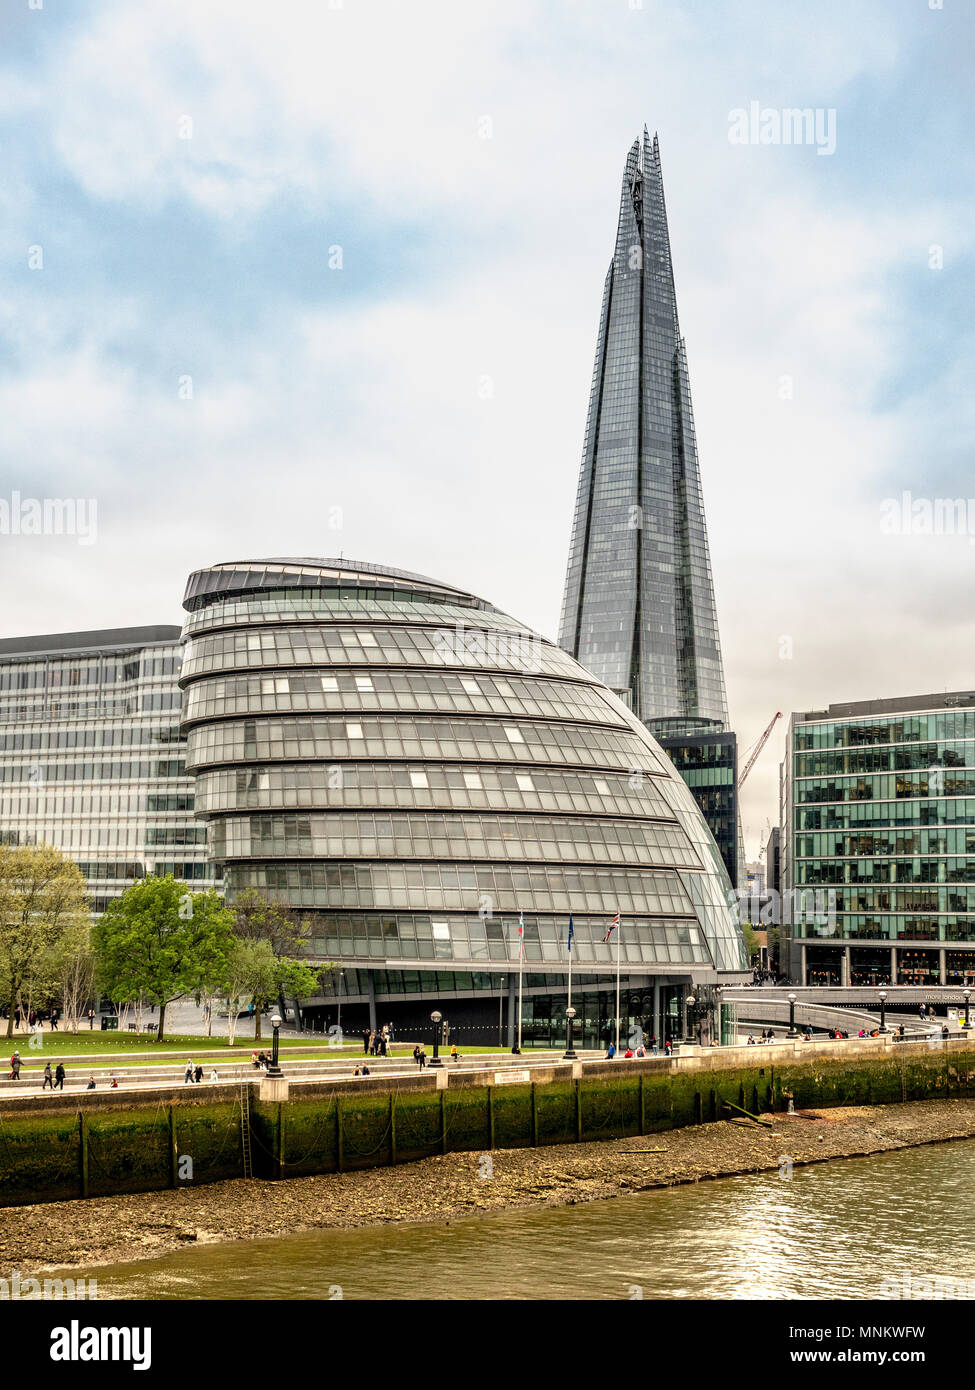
column 245, row 1129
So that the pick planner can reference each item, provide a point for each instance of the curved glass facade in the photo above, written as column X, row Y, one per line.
column 415, row 770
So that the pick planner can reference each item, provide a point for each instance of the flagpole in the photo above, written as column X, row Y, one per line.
column 619, row 933
column 569, row 1005
column 521, row 968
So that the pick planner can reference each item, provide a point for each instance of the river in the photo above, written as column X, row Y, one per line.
column 847, row 1229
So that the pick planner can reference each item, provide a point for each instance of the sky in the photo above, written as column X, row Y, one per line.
column 322, row 277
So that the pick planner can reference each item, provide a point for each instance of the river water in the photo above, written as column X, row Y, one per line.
column 887, row 1226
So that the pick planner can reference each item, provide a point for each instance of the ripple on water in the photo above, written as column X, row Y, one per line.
column 818, row 1234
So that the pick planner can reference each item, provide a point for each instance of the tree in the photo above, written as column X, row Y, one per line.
column 253, row 969
column 263, row 919
column 158, row 941
column 257, row 918
column 77, row 980
column 43, row 905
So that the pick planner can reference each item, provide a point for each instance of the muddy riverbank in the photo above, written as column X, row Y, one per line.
column 111, row 1230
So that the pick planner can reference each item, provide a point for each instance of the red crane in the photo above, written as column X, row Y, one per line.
column 757, row 748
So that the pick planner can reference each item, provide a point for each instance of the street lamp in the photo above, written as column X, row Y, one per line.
column 793, row 1031
column 883, row 1004
column 274, row 1070
column 968, row 995
column 435, row 1018
column 569, row 1055
column 688, row 1015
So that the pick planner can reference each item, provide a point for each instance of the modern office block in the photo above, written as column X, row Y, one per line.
column 417, row 772
column 878, row 808
column 91, row 756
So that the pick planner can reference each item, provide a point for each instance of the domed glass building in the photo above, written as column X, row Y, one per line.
column 418, row 772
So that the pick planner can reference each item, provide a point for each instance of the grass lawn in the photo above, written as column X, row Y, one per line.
column 119, row 1048
column 60, row 1044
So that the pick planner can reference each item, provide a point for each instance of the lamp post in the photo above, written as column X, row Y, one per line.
column 435, row 1018
column 968, row 995
column 274, row 1070
column 793, row 1031
column 569, row 1055
column 688, row 1015
column 883, row 1004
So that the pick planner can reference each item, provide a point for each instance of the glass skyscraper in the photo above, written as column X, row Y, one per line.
column 639, row 609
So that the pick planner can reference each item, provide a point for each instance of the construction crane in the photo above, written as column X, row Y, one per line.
column 757, row 748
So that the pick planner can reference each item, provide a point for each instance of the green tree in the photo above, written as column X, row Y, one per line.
column 43, row 909
column 254, row 971
column 285, row 931
column 752, row 946
column 159, row 941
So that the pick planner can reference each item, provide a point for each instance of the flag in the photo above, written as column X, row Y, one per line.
column 521, row 935
column 571, row 935
column 613, row 926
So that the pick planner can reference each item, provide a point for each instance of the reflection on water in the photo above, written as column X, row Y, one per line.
column 847, row 1229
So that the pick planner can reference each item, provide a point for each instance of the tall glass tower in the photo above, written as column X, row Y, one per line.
column 639, row 608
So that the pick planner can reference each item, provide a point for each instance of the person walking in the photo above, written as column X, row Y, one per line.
column 54, row 1020
column 48, row 1077
column 188, row 1074
column 15, row 1065
column 91, row 1019
column 422, row 1059
column 416, row 1053
column 58, row 1077
column 91, row 1082
column 611, row 1051
column 365, row 1042
column 198, row 1074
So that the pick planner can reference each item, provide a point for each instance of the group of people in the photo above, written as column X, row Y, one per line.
column 377, row 1044
column 34, row 1018
column 640, row 1050
column 195, row 1073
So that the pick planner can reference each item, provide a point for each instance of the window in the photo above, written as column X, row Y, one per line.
column 330, row 683
column 472, row 780
column 363, row 683
column 525, row 783
column 513, row 735
column 418, row 779
column 471, row 686
column 353, row 730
